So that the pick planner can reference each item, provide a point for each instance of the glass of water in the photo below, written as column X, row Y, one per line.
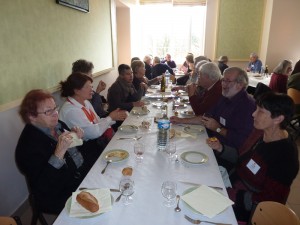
column 168, row 190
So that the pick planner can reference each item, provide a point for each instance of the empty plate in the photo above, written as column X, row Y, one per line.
column 194, row 157
column 128, row 128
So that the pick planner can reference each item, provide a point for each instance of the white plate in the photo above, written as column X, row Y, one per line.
column 194, row 157
column 139, row 111
column 159, row 95
column 187, row 113
column 68, row 208
column 116, row 155
column 155, row 86
column 128, row 128
column 191, row 130
column 159, row 104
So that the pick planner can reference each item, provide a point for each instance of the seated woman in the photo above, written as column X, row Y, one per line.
column 279, row 78
column 293, row 87
column 140, row 82
column 52, row 168
column 189, row 59
column 78, row 111
column 266, row 171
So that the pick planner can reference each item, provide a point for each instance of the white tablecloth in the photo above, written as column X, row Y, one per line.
column 254, row 79
column 147, row 207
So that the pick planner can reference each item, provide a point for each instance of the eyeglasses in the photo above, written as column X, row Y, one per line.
column 227, row 81
column 49, row 112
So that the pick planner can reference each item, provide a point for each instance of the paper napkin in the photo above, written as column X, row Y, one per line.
column 207, row 201
column 104, row 200
column 75, row 140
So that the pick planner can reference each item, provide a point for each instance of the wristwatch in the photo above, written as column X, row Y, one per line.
column 218, row 129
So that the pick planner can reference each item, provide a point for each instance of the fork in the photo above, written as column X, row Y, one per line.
column 129, row 138
column 193, row 221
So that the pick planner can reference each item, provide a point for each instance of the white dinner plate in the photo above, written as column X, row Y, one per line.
column 187, row 205
column 139, row 111
column 194, row 157
column 116, row 155
column 192, row 130
column 159, row 95
column 128, row 128
column 68, row 207
column 187, row 113
column 159, row 104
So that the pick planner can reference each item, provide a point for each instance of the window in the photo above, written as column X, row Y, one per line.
column 160, row 29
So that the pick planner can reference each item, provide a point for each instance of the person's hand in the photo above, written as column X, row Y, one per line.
column 64, row 141
column 175, row 119
column 210, row 123
column 143, row 86
column 214, row 143
column 79, row 132
column 191, row 89
column 138, row 104
column 101, row 86
column 118, row 115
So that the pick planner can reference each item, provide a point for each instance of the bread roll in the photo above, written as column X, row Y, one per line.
column 127, row 171
column 87, row 201
column 213, row 139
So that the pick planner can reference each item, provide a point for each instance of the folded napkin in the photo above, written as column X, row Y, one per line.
column 207, row 201
column 104, row 200
column 179, row 134
column 75, row 140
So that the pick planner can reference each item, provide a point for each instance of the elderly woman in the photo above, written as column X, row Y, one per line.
column 266, row 171
column 222, row 63
column 52, row 167
column 78, row 111
column 278, row 82
column 140, row 82
column 189, row 60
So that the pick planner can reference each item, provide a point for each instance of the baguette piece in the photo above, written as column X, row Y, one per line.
column 88, row 201
column 127, row 171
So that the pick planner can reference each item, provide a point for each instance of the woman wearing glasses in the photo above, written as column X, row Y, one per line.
column 52, row 167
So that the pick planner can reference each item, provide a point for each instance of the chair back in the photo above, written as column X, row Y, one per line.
column 260, row 89
column 7, row 220
column 294, row 94
column 274, row 213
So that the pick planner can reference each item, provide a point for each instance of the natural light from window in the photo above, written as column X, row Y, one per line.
column 161, row 29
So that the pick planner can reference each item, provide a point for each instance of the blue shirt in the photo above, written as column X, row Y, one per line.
column 255, row 66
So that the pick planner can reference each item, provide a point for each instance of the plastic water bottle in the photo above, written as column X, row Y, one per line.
column 163, row 134
column 167, row 75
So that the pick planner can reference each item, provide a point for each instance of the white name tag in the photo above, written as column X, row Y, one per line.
column 223, row 121
column 253, row 166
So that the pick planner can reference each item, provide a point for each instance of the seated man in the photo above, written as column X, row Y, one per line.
column 159, row 68
column 255, row 64
column 148, row 66
column 84, row 66
column 204, row 100
column 171, row 63
column 122, row 93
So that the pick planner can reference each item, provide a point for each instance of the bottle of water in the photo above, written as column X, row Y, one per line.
column 163, row 134
column 167, row 74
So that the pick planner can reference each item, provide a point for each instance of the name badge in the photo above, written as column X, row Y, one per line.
column 222, row 121
column 253, row 166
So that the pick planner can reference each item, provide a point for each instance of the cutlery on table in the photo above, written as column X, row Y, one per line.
column 195, row 184
column 119, row 197
column 129, row 138
column 193, row 221
column 177, row 209
column 84, row 188
column 107, row 163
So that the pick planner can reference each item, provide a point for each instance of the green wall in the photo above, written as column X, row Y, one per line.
column 239, row 28
column 40, row 39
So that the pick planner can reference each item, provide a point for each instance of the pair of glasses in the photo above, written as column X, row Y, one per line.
column 227, row 81
column 49, row 112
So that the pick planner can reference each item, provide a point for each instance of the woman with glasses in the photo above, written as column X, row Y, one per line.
column 52, row 167
column 279, row 78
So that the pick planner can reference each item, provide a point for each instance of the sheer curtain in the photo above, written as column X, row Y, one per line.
column 173, row 28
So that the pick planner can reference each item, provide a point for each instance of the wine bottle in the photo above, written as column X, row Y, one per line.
column 163, row 84
column 266, row 70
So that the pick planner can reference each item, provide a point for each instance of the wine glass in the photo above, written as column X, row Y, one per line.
column 127, row 189
column 171, row 150
column 139, row 150
column 168, row 190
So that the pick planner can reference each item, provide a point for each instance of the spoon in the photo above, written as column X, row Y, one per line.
column 176, row 158
column 107, row 163
column 177, row 209
column 126, row 186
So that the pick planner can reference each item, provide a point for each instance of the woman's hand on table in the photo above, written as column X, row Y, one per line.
column 118, row 115
column 214, row 143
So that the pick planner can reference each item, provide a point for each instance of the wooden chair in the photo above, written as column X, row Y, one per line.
column 274, row 213
column 7, row 220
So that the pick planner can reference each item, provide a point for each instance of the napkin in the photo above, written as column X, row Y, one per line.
column 207, row 201
column 179, row 133
column 75, row 140
column 104, row 200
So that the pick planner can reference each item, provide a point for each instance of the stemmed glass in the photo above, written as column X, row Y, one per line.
column 139, row 150
column 126, row 188
column 168, row 190
column 171, row 150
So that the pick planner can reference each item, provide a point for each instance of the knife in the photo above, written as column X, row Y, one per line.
column 195, row 184
column 84, row 188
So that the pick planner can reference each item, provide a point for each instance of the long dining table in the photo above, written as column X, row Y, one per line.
column 255, row 78
column 147, row 207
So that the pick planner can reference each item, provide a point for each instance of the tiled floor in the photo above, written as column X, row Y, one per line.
column 293, row 200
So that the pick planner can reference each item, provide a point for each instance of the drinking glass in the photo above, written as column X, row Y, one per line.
column 147, row 123
column 171, row 150
column 139, row 150
column 127, row 189
column 168, row 190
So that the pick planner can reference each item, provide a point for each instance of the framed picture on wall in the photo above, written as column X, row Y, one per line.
column 82, row 5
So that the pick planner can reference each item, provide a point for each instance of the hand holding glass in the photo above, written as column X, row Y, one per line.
column 126, row 188
column 139, row 150
column 168, row 190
